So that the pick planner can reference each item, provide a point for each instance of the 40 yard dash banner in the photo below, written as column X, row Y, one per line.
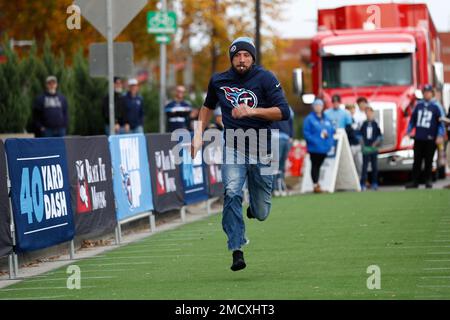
column 40, row 192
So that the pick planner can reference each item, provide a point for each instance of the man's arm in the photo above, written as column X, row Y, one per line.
column 270, row 114
column 37, row 114
column 412, row 122
column 204, row 117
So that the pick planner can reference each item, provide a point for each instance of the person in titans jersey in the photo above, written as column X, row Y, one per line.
column 251, row 98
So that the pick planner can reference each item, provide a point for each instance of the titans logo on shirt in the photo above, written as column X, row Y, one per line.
column 237, row 96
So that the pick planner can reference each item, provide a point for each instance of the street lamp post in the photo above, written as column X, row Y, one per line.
column 258, row 30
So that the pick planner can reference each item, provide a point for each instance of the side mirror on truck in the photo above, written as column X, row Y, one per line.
column 299, row 89
column 438, row 68
column 298, row 81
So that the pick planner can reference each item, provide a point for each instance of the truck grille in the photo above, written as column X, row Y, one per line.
column 386, row 116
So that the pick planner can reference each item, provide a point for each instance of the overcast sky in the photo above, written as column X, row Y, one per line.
column 300, row 16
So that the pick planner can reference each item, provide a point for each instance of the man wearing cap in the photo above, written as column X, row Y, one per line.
column 134, row 108
column 119, row 109
column 250, row 98
column 340, row 118
column 429, row 132
column 50, row 111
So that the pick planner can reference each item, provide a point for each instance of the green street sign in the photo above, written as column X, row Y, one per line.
column 160, row 22
column 163, row 38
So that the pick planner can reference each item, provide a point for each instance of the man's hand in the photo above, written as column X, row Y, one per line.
column 242, row 111
column 196, row 145
column 439, row 140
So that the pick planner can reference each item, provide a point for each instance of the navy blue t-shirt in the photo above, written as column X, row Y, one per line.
column 50, row 111
column 134, row 108
column 178, row 115
column 258, row 88
column 426, row 119
column 370, row 132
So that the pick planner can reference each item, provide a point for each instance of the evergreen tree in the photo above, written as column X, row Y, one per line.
column 14, row 110
column 150, row 95
column 88, row 94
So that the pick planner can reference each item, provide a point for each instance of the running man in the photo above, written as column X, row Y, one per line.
column 250, row 98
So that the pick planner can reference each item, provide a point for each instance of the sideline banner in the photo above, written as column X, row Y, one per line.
column 131, row 175
column 167, row 186
column 5, row 219
column 90, row 172
column 192, row 174
column 40, row 192
column 214, row 169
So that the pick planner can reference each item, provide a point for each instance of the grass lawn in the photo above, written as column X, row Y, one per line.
column 311, row 247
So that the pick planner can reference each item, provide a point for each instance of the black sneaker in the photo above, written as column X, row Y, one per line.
column 249, row 214
column 238, row 261
column 429, row 185
column 412, row 185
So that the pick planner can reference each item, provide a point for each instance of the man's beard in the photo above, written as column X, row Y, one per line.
column 242, row 69
column 52, row 91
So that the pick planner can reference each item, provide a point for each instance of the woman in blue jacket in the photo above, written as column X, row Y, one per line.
column 318, row 132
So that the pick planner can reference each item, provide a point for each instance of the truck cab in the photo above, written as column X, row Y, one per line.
column 385, row 53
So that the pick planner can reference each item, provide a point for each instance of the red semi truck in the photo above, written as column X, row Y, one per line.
column 384, row 52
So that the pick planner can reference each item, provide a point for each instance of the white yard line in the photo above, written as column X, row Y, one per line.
column 155, row 256
column 413, row 247
column 65, row 279
column 43, row 288
column 36, row 298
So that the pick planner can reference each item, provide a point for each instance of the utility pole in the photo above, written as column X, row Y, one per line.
column 258, row 31
column 110, row 41
column 163, row 80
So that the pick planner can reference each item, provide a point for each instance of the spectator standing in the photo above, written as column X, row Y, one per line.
column 429, row 132
column 119, row 109
column 360, row 112
column 339, row 117
column 447, row 124
column 318, row 131
column 134, row 108
column 50, row 111
column 371, row 140
column 354, row 137
column 284, row 135
column 178, row 111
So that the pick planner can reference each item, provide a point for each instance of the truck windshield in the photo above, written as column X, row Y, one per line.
column 367, row 70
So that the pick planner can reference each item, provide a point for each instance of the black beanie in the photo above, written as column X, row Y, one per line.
column 242, row 43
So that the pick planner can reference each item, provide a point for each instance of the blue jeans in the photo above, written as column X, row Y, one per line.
column 56, row 132
column 138, row 129
column 373, row 159
column 285, row 147
column 260, row 190
column 121, row 130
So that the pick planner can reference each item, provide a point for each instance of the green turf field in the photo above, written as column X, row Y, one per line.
column 311, row 247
